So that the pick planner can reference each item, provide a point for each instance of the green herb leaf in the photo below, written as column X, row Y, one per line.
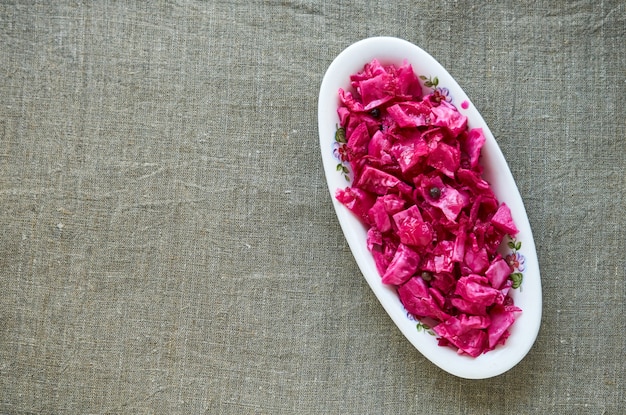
column 422, row 327
column 423, row 78
column 511, row 244
column 435, row 81
column 517, row 278
column 340, row 135
column 518, row 245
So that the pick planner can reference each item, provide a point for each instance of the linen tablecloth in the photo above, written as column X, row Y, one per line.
column 169, row 243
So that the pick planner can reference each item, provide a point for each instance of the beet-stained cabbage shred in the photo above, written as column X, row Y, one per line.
column 434, row 224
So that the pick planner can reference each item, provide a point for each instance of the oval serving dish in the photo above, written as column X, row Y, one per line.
column 528, row 296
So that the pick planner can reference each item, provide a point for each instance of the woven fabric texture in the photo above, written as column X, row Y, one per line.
column 168, row 241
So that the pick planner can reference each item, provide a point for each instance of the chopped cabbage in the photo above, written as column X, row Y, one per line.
column 434, row 224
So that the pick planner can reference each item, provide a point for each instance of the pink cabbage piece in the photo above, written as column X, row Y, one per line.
column 409, row 114
column 434, row 224
column 382, row 248
column 466, row 333
column 446, row 115
column 503, row 220
column 473, row 144
column 350, row 102
column 411, row 228
column 407, row 82
column 410, row 152
column 377, row 90
column 402, row 266
column 418, row 300
column 383, row 209
column 451, row 201
column 358, row 141
column 476, row 289
column 468, row 306
column 502, row 317
column 379, row 182
column 445, row 158
column 444, row 282
column 378, row 84
column 477, row 260
column 498, row 272
column 357, row 200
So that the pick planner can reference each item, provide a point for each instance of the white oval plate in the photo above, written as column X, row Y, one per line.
column 528, row 297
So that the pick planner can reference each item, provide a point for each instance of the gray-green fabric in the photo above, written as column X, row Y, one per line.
column 168, row 242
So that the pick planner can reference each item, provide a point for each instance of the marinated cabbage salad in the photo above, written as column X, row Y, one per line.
column 434, row 224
